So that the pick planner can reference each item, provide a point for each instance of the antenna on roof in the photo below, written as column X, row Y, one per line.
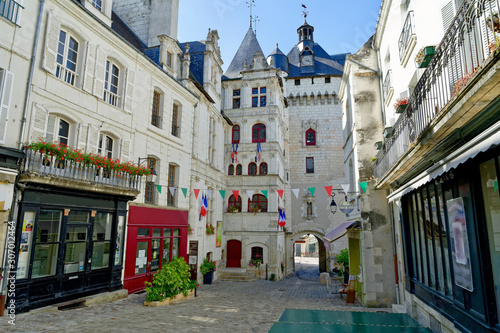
column 255, row 20
column 250, row 5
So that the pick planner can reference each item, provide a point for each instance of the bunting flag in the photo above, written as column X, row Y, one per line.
column 222, row 194
column 204, row 206
column 236, row 194
column 329, row 190
column 265, row 192
column 184, row 191
column 209, row 193
column 280, row 192
column 250, row 193
column 363, row 186
column 158, row 187
column 495, row 186
column 345, row 187
column 196, row 193
column 259, row 150
column 296, row 192
column 311, row 190
column 172, row 190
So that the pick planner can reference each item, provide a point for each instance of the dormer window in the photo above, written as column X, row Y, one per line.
column 169, row 59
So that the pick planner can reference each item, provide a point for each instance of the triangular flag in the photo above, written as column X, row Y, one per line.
column 222, row 194
column 196, row 193
column 209, row 192
column 184, row 191
column 296, row 192
column 236, row 194
column 495, row 186
column 329, row 190
column 250, row 193
column 345, row 187
column 158, row 187
column 265, row 192
column 363, row 186
column 172, row 190
column 311, row 190
column 280, row 192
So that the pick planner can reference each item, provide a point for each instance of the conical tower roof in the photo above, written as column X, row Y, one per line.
column 247, row 49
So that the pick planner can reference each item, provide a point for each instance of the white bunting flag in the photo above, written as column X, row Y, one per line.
column 296, row 192
column 172, row 190
column 345, row 187
column 250, row 193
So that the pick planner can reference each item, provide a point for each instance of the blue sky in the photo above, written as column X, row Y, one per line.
column 339, row 25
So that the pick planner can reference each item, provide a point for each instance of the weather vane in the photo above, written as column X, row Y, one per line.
column 251, row 4
column 305, row 12
column 255, row 20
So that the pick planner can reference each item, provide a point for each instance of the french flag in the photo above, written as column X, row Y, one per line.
column 204, row 206
column 259, row 150
column 282, row 218
column 236, row 154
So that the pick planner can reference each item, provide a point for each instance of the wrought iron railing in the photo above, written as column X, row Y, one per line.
column 473, row 36
column 387, row 83
column 46, row 165
column 10, row 10
column 406, row 34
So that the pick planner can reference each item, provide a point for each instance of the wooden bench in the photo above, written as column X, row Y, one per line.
column 349, row 289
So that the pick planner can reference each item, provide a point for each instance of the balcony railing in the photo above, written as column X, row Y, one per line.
column 46, row 165
column 465, row 47
column 10, row 10
column 406, row 34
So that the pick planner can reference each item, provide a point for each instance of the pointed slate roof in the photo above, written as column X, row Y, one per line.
column 277, row 51
column 247, row 49
column 324, row 64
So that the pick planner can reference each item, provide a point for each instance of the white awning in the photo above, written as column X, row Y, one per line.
column 481, row 143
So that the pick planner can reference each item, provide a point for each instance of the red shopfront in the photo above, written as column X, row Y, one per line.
column 154, row 238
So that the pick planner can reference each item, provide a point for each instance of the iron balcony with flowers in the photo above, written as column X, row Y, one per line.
column 56, row 162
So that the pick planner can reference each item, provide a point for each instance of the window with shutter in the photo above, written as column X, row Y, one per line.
column 67, row 56
column 6, row 84
column 111, row 80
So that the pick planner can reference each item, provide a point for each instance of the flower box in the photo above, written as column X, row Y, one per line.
column 424, row 56
column 401, row 108
column 177, row 299
column 388, row 131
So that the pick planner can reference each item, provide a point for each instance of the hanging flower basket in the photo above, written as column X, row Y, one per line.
column 424, row 56
column 400, row 105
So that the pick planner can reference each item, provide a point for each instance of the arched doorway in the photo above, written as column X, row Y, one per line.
column 320, row 250
column 233, row 253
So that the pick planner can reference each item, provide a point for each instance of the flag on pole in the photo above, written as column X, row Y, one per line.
column 259, row 150
column 236, row 154
column 232, row 154
column 282, row 218
column 204, row 206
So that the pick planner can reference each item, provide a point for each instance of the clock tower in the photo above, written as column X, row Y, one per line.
column 305, row 46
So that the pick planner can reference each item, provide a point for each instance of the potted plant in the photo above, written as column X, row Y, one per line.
column 343, row 259
column 401, row 104
column 210, row 229
column 493, row 23
column 171, row 284
column 190, row 230
column 494, row 45
column 232, row 209
column 256, row 261
column 207, row 268
column 255, row 209
column 424, row 56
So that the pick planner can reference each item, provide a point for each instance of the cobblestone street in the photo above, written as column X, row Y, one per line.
column 221, row 307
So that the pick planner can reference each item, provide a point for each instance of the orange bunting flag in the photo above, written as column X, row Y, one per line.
column 236, row 194
column 196, row 193
column 329, row 190
column 280, row 192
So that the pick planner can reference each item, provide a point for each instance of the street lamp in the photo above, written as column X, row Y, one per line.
column 333, row 205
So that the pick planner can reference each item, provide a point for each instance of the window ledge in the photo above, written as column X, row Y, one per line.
column 409, row 50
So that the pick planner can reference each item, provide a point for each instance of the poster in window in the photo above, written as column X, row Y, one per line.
column 218, row 239
column 460, row 243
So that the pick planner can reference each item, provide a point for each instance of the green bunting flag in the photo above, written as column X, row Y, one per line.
column 363, row 186
column 222, row 194
column 495, row 186
column 265, row 192
column 312, row 190
column 158, row 187
column 184, row 191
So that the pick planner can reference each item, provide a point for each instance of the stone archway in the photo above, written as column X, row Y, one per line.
column 290, row 250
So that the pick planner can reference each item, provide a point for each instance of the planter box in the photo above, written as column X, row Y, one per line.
column 168, row 301
column 401, row 108
column 429, row 52
column 388, row 131
column 378, row 145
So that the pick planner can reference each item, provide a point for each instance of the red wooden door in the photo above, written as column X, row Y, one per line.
column 233, row 253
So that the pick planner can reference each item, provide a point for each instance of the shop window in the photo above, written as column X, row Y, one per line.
column 76, row 242
column 310, row 137
column 143, row 232
column 67, row 56
column 309, row 164
column 170, row 245
column 235, row 202
column 230, row 170
column 239, row 170
column 111, row 83
column 263, row 169
column 101, row 240
column 236, row 99
column 120, row 235
column 236, row 134
column 258, row 202
column 252, row 169
column 156, row 112
column 258, row 133
column 257, row 252
column 259, row 98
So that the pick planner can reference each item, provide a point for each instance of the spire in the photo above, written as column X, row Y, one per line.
column 251, row 4
column 249, row 46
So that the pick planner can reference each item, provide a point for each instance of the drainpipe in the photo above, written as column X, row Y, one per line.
column 30, row 78
column 394, row 251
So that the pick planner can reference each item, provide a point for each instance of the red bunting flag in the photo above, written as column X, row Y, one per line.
column 280, row 192
column 236, row 194
column 196, row 193
column 329, row 190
